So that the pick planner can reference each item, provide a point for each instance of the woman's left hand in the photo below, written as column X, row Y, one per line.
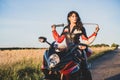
column 82, row 47
column 97, row 29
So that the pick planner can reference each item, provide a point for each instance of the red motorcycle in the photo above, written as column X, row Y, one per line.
column 68, row 64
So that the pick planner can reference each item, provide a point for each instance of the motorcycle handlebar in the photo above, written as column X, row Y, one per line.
column 82, row 44
column 79, row 45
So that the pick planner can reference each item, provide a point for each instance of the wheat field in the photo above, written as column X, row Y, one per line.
column 13, row 56
column 24, row 64
column 21, row 64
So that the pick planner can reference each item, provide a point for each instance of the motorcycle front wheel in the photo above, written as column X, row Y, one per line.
column 86, row 75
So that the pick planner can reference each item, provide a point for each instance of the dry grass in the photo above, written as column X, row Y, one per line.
column 21, row 64
column 25, row 64
column 97, row 50
column 13, row 56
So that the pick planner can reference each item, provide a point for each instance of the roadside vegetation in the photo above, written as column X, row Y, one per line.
column 24, row 64
column 101, row 49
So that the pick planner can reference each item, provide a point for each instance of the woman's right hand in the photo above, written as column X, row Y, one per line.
column 53, row 27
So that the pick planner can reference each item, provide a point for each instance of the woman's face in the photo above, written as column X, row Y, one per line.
column 73, row 18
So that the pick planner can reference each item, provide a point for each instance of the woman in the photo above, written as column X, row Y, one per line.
column 72, row 33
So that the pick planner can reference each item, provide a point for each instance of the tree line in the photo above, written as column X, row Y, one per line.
column 19, row 48
column 95, row 45
column 105, row 45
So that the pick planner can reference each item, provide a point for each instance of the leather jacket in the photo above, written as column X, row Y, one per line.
column 73, row 37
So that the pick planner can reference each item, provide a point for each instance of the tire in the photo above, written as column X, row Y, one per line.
column 87, row 75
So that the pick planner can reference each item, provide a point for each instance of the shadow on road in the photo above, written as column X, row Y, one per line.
column 115, row 77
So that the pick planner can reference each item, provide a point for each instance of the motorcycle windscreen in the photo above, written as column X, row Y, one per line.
column 61, row 46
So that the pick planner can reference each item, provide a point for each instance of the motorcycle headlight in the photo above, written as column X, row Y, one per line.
column 53, row 60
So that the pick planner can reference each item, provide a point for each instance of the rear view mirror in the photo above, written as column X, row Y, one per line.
column 42, row 39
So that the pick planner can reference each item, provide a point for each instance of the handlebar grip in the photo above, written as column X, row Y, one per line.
column 59, row 25
column 82, row 44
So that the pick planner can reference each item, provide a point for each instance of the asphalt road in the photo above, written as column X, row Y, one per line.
column 107, row 67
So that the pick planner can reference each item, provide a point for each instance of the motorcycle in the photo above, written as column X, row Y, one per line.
column 67, row 64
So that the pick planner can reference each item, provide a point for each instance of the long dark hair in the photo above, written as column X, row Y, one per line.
column 79, row 24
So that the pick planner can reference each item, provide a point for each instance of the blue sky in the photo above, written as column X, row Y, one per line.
column 23, row 21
